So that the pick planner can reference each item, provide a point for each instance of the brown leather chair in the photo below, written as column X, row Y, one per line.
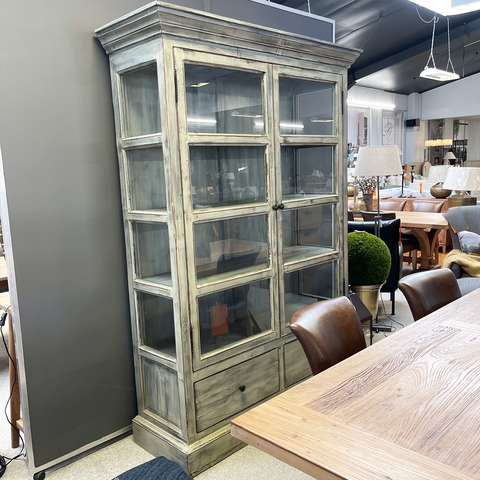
column 350, row 216
column 431, row 206
column 393, row 204
column 370, row 216
column 329, row 332
column 428, row 291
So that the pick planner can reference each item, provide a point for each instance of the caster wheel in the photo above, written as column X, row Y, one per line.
column 39, row 476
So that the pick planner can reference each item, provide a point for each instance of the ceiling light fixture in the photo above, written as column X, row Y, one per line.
column 384, row 106
column 433, row 73
column 200, row 84
column 236, row 113
column 449, row 7
column 209, row 121
column 319, row 120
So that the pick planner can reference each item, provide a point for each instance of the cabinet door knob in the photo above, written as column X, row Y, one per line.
column 242, row 388
column 275, row 207
column 281, row 206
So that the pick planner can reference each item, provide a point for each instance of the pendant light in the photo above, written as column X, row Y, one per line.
column 433, row 72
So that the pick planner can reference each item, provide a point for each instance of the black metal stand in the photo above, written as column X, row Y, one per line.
column 403, row 180
column 378, row 217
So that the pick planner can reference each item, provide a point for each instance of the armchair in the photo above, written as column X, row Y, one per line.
column 459, row 219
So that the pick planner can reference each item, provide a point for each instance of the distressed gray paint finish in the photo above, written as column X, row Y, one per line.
column 236, row 389
column 296, row 364
column 161, row 392
column 213, row 385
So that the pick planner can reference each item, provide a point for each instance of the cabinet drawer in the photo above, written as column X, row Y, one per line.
column 296, row 363
column 236, row 389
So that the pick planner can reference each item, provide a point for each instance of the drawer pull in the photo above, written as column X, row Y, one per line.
column 242, row 388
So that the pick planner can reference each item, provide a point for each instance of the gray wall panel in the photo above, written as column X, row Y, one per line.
column 62, row 190
column 60, row 195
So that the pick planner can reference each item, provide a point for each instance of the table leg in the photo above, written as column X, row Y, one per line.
column 427, row 242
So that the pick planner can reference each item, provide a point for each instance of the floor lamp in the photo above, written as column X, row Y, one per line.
column 377, row 162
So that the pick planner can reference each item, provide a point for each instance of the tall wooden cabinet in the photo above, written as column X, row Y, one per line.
column 231, row 150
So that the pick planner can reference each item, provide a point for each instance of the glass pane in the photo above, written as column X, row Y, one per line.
column 142, row 108
column 231, row 315
column 306, row 107
column 308, row 171
column 223, row 176
column 157, row 322
column 308, row 285
column 307, row 232
column 152, row 254
column 146, row 179
column 231, row 246
column 220, row 100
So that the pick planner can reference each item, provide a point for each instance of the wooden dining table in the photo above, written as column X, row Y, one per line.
column 406, row 408
column 426, row 227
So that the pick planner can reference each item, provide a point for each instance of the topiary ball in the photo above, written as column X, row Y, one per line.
column 369, row 259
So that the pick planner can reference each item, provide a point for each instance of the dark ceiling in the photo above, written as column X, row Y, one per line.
column 396, row 42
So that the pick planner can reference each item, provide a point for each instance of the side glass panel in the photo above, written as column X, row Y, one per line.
column 306, row 107
column 227, row 175
column 152, row 253
column 221, row 100
column 231, row 315
column 307, row 171
column 308, row 232
column 308, row 285
column 141, row 104
column 231, row 246
column 157, row 322
column 146, row 179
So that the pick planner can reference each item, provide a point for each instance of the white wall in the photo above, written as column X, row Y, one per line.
column 457, row 99
column 473, row 150
column 415, row 136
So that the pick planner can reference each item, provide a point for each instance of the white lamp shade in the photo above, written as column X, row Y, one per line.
column 462, row 178
column 378, row 161
column 449, row 156
column 438, row 173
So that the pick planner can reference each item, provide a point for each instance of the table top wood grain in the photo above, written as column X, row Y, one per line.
column 406, row 408
column 422, row 220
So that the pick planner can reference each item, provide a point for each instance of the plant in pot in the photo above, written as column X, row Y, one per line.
column 369, row 262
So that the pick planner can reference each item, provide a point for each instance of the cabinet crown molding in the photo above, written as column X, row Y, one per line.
column 164, row 19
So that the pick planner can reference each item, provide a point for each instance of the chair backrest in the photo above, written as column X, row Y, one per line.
column 394, row 204
column 390, row 234
column 370, row 216
column 463, row 218
column 428, row 291
column 433, row 207
column 329, row 332
column 350, row 216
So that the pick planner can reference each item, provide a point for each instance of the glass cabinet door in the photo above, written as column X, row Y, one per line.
column 308, row 127
column 306, row 107
column 226, row 148
column 223, row 100
column 227, row 175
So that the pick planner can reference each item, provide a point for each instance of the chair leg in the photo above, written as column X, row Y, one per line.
column 392, row 299
column 414, row 260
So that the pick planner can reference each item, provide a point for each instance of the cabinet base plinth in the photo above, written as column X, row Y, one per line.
column 193, row 458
